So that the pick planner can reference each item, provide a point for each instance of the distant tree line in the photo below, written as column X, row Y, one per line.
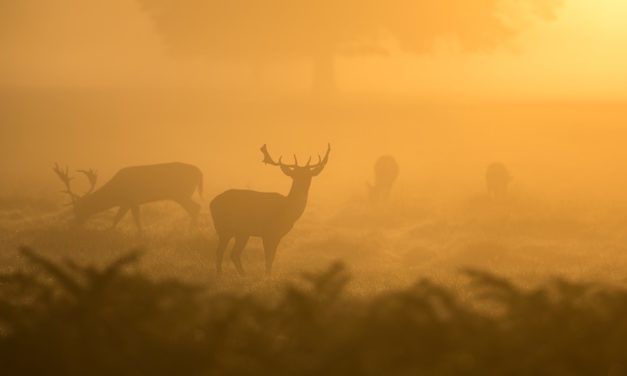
column 258, row 31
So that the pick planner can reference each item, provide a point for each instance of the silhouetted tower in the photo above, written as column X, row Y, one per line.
column 385, row 174
column 497, row 179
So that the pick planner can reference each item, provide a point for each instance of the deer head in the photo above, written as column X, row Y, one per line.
column 75, row 200
column 295, row 171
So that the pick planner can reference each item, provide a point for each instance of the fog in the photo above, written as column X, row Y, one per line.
column 573, row 150
column 577, row 54
column 536, row 86
column 96, row 86
column 468, row 218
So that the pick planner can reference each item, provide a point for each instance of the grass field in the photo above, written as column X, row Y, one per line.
column 526, row 239
column 442, row 280
column 482, row 288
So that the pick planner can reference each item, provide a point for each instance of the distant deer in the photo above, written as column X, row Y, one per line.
column 385, row 174
column 133, row 186
column 497, row 180
column 241, row 214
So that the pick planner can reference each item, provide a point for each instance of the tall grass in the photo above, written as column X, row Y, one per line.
column 60, row 318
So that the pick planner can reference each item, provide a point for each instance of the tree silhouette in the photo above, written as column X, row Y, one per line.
column 259, row 30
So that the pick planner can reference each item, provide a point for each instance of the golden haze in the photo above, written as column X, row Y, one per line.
column 482, row 134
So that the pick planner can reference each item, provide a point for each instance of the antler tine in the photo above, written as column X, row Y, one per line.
column 321, row 161
column 267, row 159
column 92, row 176
column 61, row 174
column 64, row 176
column 326, row 156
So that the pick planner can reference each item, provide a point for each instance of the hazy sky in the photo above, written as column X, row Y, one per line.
column 72, row 42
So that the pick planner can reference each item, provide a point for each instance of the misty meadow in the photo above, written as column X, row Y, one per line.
column 251, row 187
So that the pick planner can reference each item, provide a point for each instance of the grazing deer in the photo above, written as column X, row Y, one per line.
column 132, row 186
column 497, row 179
column 241, row 214
column 385, row 174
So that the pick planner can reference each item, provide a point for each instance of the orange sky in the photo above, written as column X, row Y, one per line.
column 581, row 55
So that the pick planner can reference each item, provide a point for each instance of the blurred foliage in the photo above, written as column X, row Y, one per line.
column 66, row 319
column 260, row 29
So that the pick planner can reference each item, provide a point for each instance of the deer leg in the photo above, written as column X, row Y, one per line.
column 222, row 243
column 269, row 247
column 191, row 208
column 240, row 243
column 135, row 212
column 118, row 217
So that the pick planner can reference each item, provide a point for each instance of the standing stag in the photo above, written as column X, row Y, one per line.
column 241, row 214
column 497, row 179
column 133, row 186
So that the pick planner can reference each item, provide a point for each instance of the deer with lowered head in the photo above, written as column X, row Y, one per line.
column 241, row 214
column 133, row 186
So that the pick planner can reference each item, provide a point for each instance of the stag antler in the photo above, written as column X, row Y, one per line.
column 326, row 157
column 92, row 176
column 267, row 159
column 65, row 177
column 322, row 162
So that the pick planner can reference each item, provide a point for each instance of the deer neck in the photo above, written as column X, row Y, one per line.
column 94, row 202
column 297, row 198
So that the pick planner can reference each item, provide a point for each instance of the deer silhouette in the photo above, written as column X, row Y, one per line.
column 241, row 214
column 133, row 186
column 385, row 174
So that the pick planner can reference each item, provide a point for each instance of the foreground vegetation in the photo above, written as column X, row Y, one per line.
column 66, row 319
